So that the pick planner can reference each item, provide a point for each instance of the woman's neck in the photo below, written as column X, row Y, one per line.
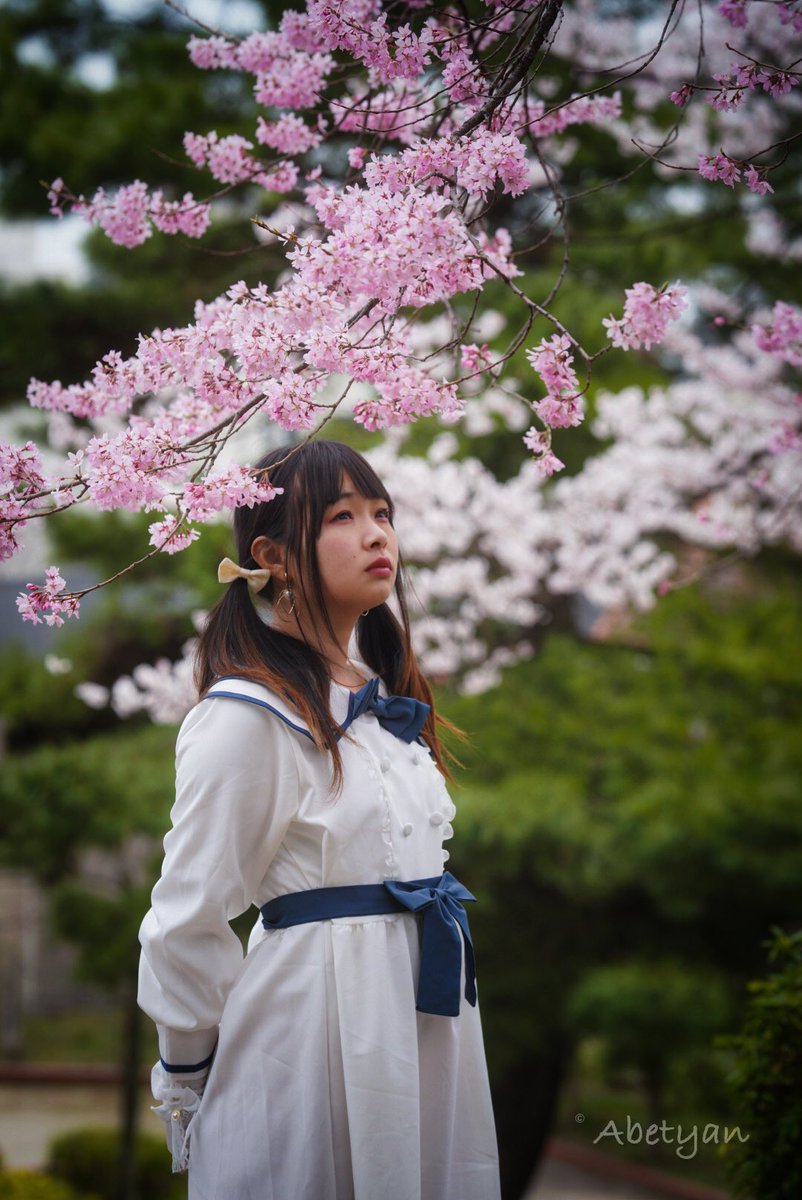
column 334, row 650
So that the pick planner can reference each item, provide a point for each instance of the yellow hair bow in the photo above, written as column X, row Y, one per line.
column 229, row 570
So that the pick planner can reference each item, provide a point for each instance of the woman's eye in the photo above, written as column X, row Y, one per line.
column 384, row 512
column 342, row 513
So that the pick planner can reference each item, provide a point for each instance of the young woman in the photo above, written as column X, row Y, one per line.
column 341, row 1058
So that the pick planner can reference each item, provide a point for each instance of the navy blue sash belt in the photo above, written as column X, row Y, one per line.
column 444, row 928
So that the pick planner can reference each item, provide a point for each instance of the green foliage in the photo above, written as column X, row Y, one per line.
column 131, row 623
column 651, row 1015
column 641, row 765
column 633, row 802
column 73, row 1037
column 33, row 1185
column 59, row 800
column 105, row 927
column 108, row 540
column 89, row 1159
column 640, row 1007
column 56, row 330
column 53, row 120
column 37, row 705
column 767, row 1079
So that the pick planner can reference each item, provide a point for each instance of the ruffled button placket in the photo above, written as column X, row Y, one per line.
column 377, row 769
column 442, row 816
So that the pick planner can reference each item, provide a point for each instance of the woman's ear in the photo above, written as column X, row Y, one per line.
column 270, row 554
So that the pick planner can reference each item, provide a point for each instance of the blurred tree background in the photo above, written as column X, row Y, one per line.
column 629, row 809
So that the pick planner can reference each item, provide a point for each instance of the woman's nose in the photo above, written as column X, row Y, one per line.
column 378, row 536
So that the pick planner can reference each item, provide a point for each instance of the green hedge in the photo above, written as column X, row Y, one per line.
column 33, row 1185
column 767, row 1080
column 88, row 1160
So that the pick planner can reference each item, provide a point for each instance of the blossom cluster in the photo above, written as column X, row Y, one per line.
column 471, row 163
column 408, row 227
column 45, row 602
column 360, row 28
column 711, row 461
column 735, row 83
column 21, row 478
column 647, row 312
column 728, row 170
column 783, row 336
column 553, row 360
column 579, row 110
column 737, row 12
column 128, row 217
column 229, row 487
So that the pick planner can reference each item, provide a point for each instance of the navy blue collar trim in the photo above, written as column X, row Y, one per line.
column 354, row 699
column 262, row 704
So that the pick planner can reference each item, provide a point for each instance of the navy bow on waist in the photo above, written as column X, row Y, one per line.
column 437, row 902
column 402, row 715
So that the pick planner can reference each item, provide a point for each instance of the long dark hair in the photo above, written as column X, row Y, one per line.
column 237, row 641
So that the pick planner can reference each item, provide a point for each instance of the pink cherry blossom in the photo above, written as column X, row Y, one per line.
column 473, row 164
column 54, row 197
column 475, row 358
column 188, row 215
column 378, row 251
column 719, row 166
column 545, row 460
column 756, row 182
column 128, row 217
column 783, row 336
column 167, row 535
column 46, row 602
column 209, row 53
column 682, row 95
column 777, row 83
column 647, row 313
column 580, row 110
column 790, row 14
column 296, row 83
column 290, row 134
column 735, row 12
column 123, row 218
column 553, row 360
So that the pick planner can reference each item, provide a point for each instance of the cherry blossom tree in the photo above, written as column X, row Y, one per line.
column 412, row 161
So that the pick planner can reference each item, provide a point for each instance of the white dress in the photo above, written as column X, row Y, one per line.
column 326, row 1082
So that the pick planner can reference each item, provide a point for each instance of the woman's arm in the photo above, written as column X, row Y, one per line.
column 236, row 794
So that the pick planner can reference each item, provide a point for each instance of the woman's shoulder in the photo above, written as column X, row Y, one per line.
column 248, row 691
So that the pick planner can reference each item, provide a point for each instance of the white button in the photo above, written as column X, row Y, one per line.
column 436, row 819
column 385, row 764
column 406, row 830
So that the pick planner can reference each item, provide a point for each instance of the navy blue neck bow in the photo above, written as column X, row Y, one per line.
column 402, row 715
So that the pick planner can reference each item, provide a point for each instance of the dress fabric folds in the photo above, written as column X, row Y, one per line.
column 326, row 1083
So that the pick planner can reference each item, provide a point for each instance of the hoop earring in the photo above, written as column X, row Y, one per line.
column 287, row 594
column 365, row 613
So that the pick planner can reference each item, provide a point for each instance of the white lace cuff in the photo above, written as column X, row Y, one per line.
column 180, row 1098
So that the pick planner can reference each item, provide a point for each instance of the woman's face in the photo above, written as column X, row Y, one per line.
column 357, row 552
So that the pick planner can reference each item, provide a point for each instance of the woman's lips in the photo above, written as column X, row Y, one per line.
column 381, row 567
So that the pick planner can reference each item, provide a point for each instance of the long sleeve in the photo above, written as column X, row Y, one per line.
column 236, row 794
